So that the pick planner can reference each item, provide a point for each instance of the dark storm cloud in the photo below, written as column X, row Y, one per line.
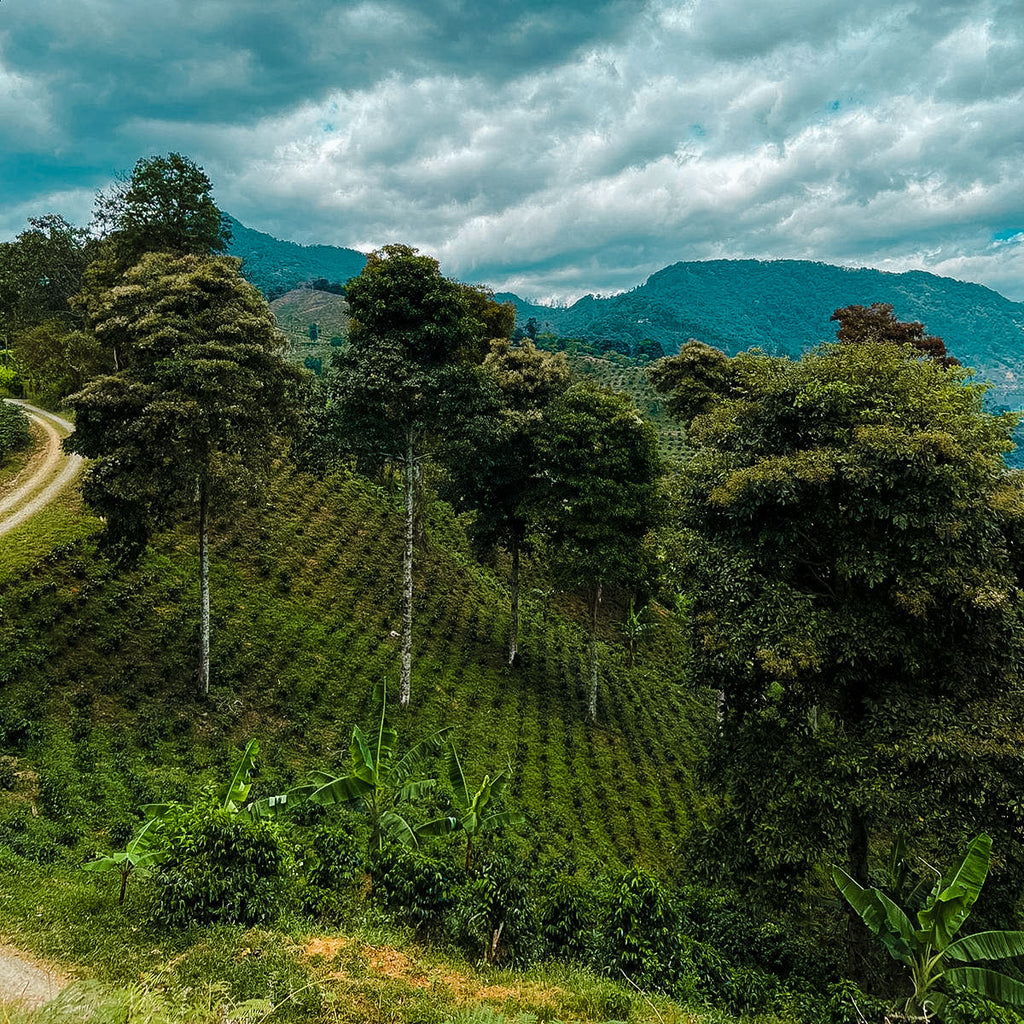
column 554, row 148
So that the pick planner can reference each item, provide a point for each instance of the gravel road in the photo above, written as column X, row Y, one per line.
column 54, row 472
column 24, row 982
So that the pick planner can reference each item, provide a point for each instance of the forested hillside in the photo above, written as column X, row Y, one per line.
column 276, row 267
column 784, row 306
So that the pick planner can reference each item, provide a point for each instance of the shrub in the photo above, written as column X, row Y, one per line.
column 640, row 934
column 495, row 917
column 219, row 867
column 568, row 918
column 334, row 860
column 417, row 889
column 14, row 433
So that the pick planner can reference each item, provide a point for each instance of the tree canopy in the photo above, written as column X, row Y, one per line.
column 190, row 418
column 164, row 205
column 853, row 563
column 599, row 464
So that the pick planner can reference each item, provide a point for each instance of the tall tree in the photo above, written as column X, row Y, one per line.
column 40, row 271
column 410, row 375
column 189, row 420
column 877, row 323
column 165, row 205
column 496, row 469
column 853, row 566
column 600, row 467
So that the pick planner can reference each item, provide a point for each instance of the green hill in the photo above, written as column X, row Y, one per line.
column 98, row 703
column 276, row 267
column 784, row 306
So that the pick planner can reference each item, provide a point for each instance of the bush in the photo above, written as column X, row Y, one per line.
column 641, row 932
column 417, row 889
column 495, row 917
column 568, row 918
column 333, row 866
column 219, row 868
column 14, row 433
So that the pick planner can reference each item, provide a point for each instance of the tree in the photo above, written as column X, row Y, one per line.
column 409, row 378
column 40, row 271
column 476, row 809
column 600, row 468
column 378, row 779
column 189, row 420
column 164, row 205
column 877, row 323
column 496, row 469
column 853, row 565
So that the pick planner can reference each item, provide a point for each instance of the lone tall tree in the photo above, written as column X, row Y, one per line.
column 600, row 467
column 496, row 469
column 410, row 374
column 191, row 417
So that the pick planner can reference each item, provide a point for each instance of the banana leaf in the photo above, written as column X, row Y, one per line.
column 993, row 945
column 947, row 909
column 238, row 788
column 989, row 984
column 881, row 915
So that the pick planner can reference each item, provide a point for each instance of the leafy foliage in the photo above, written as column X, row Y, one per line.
column 853, row 566
column 14, row 432
column 927, row 948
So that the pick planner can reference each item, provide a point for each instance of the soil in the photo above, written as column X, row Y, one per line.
column 25, row 982
column 48, row 471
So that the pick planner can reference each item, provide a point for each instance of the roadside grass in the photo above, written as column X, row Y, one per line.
column 124, row 970
column 61, row 522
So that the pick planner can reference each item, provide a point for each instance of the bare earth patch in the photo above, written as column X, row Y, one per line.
column 25, row 982
column 386, row 962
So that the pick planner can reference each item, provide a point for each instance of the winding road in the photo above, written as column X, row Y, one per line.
column 49, row 472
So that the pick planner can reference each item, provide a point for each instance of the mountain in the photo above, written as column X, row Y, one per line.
column 276, row 267
column 784, row 306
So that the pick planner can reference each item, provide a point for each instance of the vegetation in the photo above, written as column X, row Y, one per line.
column 190, row 419
column 810, row 655
column 14, row 432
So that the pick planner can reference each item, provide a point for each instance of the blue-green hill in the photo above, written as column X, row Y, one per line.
column 784, row 306
column 276, row 267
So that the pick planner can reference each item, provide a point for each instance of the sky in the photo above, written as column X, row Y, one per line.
column 548, row 148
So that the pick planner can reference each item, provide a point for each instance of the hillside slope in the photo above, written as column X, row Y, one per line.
column 97, row 668
column 784, row 306
column 277, row 266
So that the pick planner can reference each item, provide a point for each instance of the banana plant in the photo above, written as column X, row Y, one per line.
column 930, row 951
column 142, row 852
column 378, row 780
column 476, row 813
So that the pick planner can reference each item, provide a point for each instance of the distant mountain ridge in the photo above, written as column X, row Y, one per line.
column 784, row 307
column 275, row 266
column 781, row 306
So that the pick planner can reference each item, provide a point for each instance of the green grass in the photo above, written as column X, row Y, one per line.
column 122, row 970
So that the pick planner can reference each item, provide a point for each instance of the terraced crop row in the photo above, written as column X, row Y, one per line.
column 305, row 615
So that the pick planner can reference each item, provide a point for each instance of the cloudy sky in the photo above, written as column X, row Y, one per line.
column 551, row 148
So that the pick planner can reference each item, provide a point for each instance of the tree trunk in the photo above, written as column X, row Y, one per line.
column 405, row 686
column 857, row 868
column 593, row 600
column 513, row 630
column 204, row 589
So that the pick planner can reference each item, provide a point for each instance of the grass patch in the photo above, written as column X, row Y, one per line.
column 121, row 970
column 61, row 522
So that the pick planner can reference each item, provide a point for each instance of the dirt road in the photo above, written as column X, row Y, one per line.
column 24, row 982
column 48, row 473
